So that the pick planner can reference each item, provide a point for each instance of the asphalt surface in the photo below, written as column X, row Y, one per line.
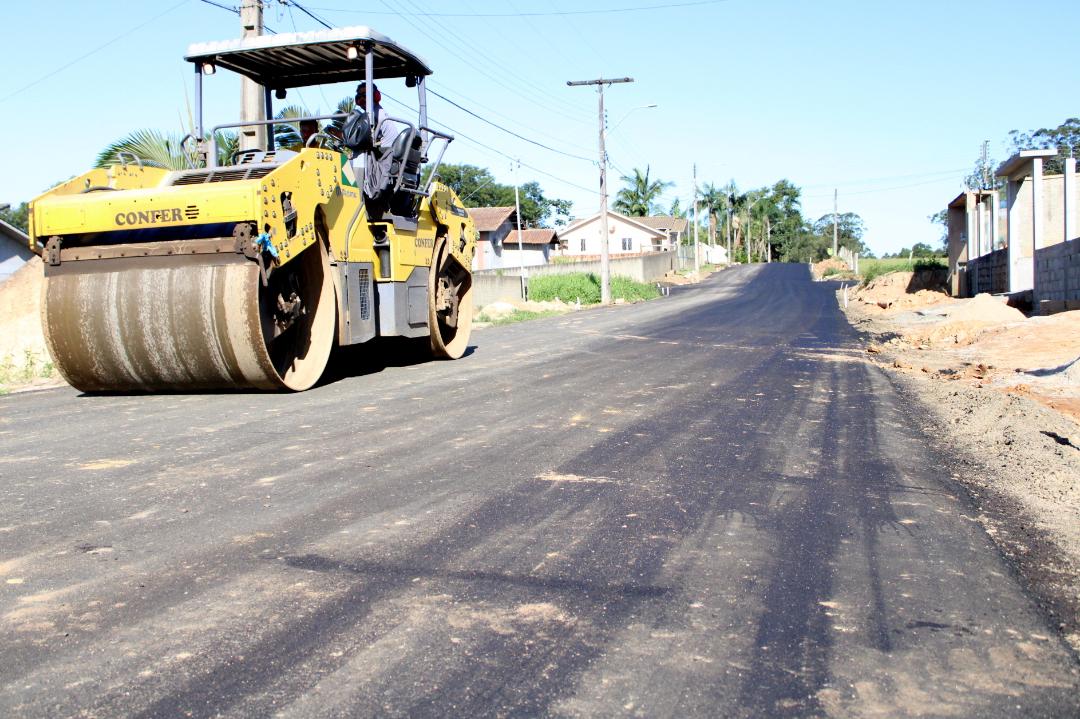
column 706, row 505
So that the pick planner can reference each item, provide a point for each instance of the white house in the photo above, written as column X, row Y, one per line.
column 626, row 236
column 14, row 249
column 497, row 246
column 673, row 227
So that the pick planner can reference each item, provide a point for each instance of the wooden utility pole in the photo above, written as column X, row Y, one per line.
column 252, row 96
column 605, row 260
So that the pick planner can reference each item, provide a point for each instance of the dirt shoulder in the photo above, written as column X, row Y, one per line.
column 1002, row 391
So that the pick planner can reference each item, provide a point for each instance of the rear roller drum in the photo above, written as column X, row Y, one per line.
column 450, row 303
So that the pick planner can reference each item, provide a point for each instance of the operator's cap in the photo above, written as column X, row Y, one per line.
column 362, row 87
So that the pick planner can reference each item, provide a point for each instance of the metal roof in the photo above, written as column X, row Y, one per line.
column 299, row 59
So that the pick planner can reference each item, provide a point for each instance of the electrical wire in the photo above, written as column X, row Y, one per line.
column 507, row 117
column 518, row 88
column 489, row 148
column 606, row 11
column 889, row 189
column 510, row 132
column 96, row 50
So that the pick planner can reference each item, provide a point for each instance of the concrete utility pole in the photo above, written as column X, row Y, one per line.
column 605, row 260
column 517, row 208
column 697, row 249
column 985, row 169
column 835, row 225
column 252, row 96
column 729, row 233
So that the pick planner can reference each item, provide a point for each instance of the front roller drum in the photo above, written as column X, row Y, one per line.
column 176, row 323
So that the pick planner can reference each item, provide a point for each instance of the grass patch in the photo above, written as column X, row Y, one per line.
column 869, row 269
column 516, row 316
column 705, row 268
column 586, row 287
column 19, row 371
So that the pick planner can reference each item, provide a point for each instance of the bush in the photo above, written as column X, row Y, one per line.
column 869, row 268
column 586, row 287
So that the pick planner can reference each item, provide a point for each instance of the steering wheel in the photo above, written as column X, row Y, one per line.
column 325, row 140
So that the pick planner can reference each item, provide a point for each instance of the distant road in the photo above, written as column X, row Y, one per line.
column 707, row 505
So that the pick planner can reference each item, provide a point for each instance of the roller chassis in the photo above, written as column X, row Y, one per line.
column 242, row 275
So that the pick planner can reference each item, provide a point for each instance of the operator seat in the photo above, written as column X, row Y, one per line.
column 406, row 160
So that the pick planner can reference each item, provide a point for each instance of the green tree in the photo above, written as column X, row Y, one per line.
column 850, row 231
column 17, row 216
column 476, row 187
column 677, row 210
column 714, row 200
column 1065, row 138
column 638, row 198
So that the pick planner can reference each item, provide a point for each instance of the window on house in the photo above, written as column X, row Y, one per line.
column 627, row 244
column 582, row 244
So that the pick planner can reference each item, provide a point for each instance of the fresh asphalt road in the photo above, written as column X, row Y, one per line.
column 706, row 505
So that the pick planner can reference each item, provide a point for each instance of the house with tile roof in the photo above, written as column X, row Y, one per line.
column 14, row 249
column 497, row 246
column 626, row 236
column 673, row 227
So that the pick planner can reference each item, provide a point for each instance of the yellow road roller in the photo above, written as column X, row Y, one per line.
column 247, row 271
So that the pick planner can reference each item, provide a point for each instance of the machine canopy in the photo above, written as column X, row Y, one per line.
column 300, row 59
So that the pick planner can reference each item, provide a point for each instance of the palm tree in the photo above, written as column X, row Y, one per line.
column 165, row 150
column 714, row 199
column 639, row 197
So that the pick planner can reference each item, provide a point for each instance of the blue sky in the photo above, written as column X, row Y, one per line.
column 888, row 102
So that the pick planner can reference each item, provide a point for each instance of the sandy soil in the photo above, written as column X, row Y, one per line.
column 1004, row 390
column 24, row 359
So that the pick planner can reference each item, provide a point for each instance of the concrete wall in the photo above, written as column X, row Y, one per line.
column 1057, row 276
column 991, row 272
column 643, row 268
column 493, row 285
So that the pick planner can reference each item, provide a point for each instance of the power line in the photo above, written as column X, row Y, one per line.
column 507, row 117
column 307, row 12
column 510, row 132
column 481, row 145
column 871, row 180
column 99, row 48
column 516, row 87
column 455, row 104
column 888, row 189
column 607, row 11
column 236, row 11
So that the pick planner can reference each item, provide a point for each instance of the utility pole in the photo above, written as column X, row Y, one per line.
column 517, row 209
column 605, row 260
column 985, row 169
column 729, row 230
column 697, row 258
column 252, row 96
column 835, row 225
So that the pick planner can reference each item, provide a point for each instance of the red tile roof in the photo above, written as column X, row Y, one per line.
column 488, row 219
column 531, row 237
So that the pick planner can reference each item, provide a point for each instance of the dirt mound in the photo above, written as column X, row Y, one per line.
column 505, row 308
column 984, row 308
column 830, row 266
column 963, row 321
column 903, row 290
column 21, row 338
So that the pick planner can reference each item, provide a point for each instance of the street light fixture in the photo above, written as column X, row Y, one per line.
column 631, row 112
